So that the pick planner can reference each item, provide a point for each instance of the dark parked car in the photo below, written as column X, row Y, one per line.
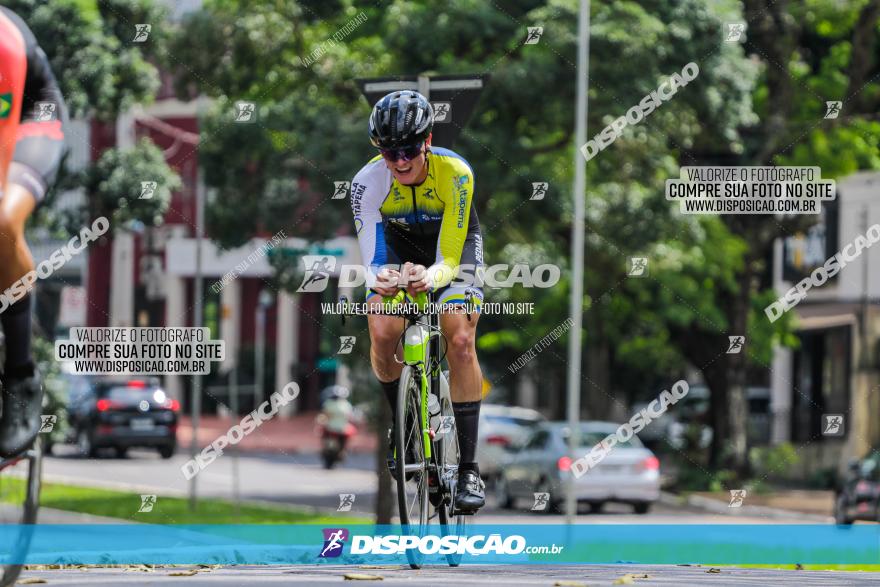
column 120, row 414
column 858, row 496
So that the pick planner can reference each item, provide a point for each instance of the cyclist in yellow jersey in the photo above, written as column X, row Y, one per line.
column 415, row 221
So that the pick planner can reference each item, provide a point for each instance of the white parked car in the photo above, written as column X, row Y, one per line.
column 629, row 473
column 502, row 427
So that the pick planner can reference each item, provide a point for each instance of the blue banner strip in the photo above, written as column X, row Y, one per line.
column 483, row 544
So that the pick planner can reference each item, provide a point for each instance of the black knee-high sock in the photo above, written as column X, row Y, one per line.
column 467, row 419
column 390, row 389
column 16, row 322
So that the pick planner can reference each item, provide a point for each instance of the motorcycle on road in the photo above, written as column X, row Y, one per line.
column 333, row 445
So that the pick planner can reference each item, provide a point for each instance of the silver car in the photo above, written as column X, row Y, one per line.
column 502, row 427
column 629, row 473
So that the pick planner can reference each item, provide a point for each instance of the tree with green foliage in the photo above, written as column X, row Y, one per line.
column 102, row 73
column 808, row 53
column 311, row 132
column 706, row 273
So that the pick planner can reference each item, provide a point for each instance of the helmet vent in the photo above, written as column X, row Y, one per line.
column 401, row 119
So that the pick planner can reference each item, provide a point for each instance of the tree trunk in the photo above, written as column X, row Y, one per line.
column 597, row 382
column 738, row 406
column 862, row 56
column 384, row 493
column 715, row 375
column 773, row 31
column 738, row 412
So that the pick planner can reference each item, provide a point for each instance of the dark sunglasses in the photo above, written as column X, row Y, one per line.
column 405, row 153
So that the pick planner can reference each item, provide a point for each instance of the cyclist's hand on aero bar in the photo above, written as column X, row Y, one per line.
column 416, row 277
column 386, row 282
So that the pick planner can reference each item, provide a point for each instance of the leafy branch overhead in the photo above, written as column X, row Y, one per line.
column 89, row 44
column 116, row 182
column 102, row 73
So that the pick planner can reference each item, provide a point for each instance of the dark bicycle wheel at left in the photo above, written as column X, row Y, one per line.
column 20, row 481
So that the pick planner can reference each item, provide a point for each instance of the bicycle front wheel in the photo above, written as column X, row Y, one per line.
column 411, row 464
column 448, row 455
column 19, row 500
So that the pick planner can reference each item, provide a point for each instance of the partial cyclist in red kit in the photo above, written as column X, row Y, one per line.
column 13, row 65
column 32, row 119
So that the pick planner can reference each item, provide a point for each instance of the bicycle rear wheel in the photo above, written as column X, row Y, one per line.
column 20, row 480
column 411, row 465
column 448, row 456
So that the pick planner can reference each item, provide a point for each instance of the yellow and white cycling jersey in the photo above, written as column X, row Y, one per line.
column 432, row 224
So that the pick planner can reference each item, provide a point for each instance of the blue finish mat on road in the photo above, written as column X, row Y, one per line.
column 483, row 544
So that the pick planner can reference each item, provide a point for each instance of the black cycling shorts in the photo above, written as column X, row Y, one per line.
column 39, row 149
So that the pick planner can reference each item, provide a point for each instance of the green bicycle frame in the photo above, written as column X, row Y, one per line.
column 416, row 346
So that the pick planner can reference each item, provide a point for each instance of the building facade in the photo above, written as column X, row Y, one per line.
column 836, row 370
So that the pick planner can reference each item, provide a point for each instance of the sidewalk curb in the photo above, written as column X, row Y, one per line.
column 716, row 506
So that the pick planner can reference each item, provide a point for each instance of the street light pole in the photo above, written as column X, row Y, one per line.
column 233, row 407
column 197, row 322
column 259, row 353
column 264, row 300
column 577, row 249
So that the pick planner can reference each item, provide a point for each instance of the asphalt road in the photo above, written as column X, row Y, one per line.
column 471, row 575
column 301, row 480
column 276, row 478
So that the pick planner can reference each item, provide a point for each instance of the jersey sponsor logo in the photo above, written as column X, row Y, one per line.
column 462, row 198
column 357, row 192
column 5, row 105
column 429, row 193
column 459, row 183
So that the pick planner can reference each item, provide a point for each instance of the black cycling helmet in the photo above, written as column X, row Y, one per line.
column 401, row 119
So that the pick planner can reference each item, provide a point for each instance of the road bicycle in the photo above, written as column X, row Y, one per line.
column 20, row 480
column 426, row 445
column 20, row 483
